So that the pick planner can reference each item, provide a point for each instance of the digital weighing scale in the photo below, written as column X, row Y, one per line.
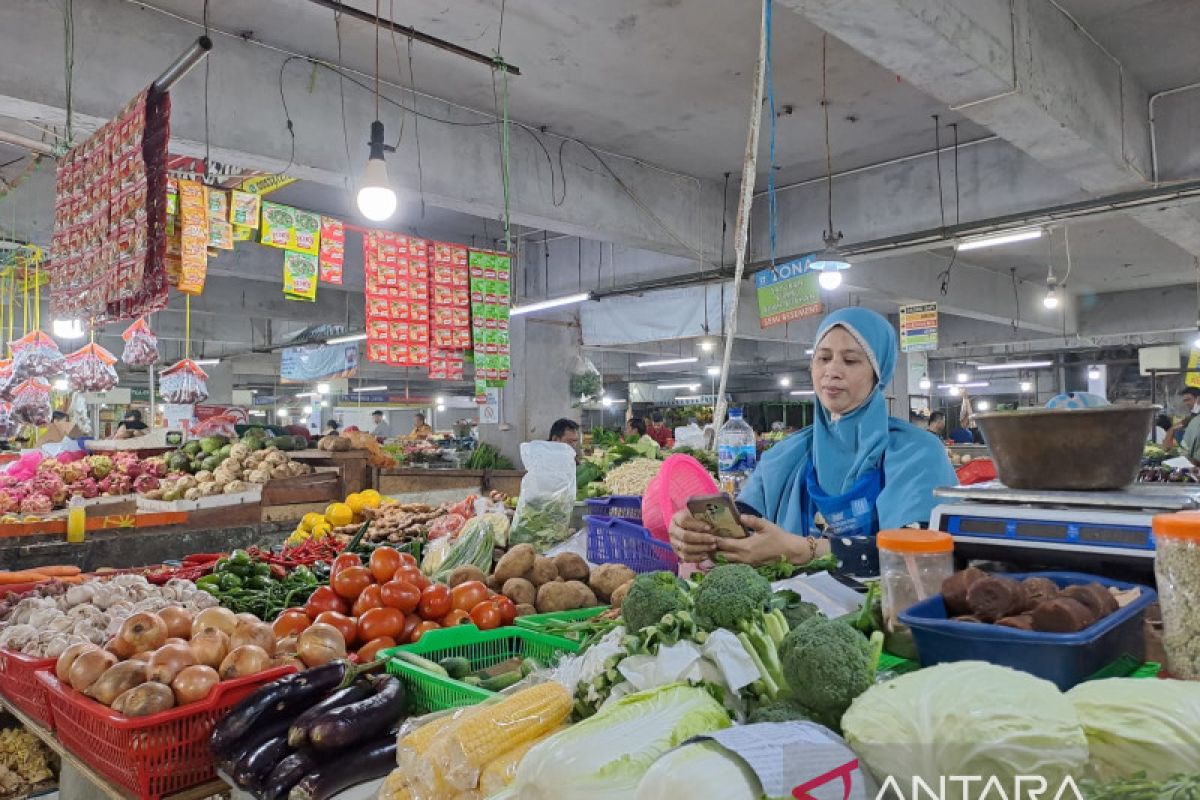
column 1057, row 528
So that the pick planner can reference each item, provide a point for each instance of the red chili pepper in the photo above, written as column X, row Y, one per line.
column 202, row 558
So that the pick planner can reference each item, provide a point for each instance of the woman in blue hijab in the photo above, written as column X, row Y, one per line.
column 854, row 472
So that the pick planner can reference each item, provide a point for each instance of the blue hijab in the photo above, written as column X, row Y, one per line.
column 913, row 461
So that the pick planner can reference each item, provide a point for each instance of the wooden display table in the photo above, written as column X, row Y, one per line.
column 354, row 467
column 420, row 480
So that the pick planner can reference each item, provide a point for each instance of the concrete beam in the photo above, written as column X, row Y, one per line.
column 125, row 47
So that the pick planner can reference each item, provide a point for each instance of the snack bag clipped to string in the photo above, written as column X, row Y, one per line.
column 35, row 355
column 8, row 426
column 184, row 382
column 6, row 378
column 90, row 369
column 31, row 402
column 141, row 345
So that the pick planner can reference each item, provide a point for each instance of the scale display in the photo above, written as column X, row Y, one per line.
column 1094, row 533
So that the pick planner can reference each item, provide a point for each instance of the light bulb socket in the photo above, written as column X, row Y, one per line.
column 377, row 145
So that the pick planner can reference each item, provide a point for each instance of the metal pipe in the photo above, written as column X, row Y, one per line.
column 1150, row 118
column 184, row 64
column 16, row 139
column 416, row 35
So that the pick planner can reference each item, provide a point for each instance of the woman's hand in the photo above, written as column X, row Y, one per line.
column 766, row 543
column 691, row 539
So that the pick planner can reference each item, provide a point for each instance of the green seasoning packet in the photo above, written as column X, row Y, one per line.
column 299, row 276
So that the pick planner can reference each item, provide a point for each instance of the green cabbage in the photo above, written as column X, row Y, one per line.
column 966, row 718
column 606, row 756
column 1138, row 725
column 703, row 769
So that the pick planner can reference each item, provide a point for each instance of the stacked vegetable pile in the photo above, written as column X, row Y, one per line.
column 228, row 469
column 56, row 480
column 244, row 584
column 310, row 735
column 357, row 440
column 207, row 453
column 627, row 467
column 25, row 763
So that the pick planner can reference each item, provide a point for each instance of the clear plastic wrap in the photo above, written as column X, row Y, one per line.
column 31, row 402
column 91, row 369
column 35, row 355
column 8, row 426
column 184, row 382
column 6, row 378
column 141, row 345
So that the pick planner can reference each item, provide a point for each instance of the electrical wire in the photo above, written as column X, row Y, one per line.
column 337, row 28
column 937, row 151
column 399, row 68
column 957, row 218
column 207, row 130
column 412, row 85
column 376, row 59
column 69, row 63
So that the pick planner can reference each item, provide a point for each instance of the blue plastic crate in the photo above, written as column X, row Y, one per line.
column 1063, row 658
column 618, row 541
column 620, row 506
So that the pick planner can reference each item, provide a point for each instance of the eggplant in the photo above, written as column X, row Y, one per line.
column 255, row 766
column 373, row 760
column 357, row 722
column 284, row 697
column 298, row 732
column 251, row 741
column 288, row 772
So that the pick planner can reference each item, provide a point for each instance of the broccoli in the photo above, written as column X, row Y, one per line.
column 794, row 609
column 827, row 664
column 729, row 595
column 652, row 596
column 780, row 711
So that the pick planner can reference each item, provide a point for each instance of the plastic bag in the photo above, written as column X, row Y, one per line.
column 586, row 382
column 543, row 517
column 31, row 402
column 35, row 355
column 6, row 378
column 8, row 426
column 90, row 369
column 141, row 345
column 184, row 382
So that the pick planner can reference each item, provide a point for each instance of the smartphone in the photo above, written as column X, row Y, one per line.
column 719, row 511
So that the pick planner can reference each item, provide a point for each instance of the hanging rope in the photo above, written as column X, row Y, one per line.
column 772, row 200
column 187, row 326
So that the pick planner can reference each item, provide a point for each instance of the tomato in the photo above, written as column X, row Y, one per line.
column 486, row 616
column 507, row 609
column 344, row 561
column 347, row 626
column 410, row 573
column 469, row 594
column 351, row 582
column 290, row 623
column 411, row 621
column 380, row 622
column 423, row 629
column 370, row 650
column 407, row 559
column 325, row 599
column 401, row 595
column 384, row 563
column 370, row 598
column 435, row 601
column 456, row 617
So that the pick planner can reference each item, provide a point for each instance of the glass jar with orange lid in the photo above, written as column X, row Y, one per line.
column 1177, row 569
column 912, row 565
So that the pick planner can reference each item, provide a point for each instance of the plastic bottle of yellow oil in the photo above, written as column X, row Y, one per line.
column 76, row 520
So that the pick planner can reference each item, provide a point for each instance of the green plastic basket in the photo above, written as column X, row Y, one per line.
column 537, row 622
column 430, row 692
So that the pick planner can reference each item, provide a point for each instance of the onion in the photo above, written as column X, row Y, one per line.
column 242, row 661
column 319, row 644
column 289, row 661
column 144, row 632
column 194, row 683
column 286, row 647
column 179, row 622
column 62, row 668
column 88, row 667
column 222, row 619
column 176, row 639
column 210, row 647
column 246, row 618
column 119, row 647
column 117, row 680
column 143, row 656
column 256, row 633
column 168, row 660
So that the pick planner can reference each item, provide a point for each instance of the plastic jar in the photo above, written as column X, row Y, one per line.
column 1177, row 569
column 912, row 566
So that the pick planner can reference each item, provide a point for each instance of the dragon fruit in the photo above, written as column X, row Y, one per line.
column 155, row 467
column 145, row 483
column 100, row 466
column 131, row 468
column 115, row 484
column 50, row 485
column 85, row 487
column 37, row 504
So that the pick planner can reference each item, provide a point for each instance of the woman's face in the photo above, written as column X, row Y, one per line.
column 841, row 372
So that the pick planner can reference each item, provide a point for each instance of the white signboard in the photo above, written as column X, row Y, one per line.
column 489, row 410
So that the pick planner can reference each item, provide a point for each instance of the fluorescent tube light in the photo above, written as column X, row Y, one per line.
column 1014, row 365
column 1000, row 238
column 307, row 394
column 971, row 385
column 350, row 337
column 203, row 362
column 713, row 371
column 663, row 362
column 802, row 392
column 553, row 302
column 369, row 389
column 690, row 397
column 692, row 386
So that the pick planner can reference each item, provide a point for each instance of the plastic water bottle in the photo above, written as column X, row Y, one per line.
column 737, row 452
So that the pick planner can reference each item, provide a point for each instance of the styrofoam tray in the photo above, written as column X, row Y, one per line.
column 254, row 495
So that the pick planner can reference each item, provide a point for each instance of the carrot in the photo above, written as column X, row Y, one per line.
column 62, row 571
column 74, row 580
column 24, row 576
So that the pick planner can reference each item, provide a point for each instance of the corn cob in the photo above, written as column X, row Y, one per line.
column 501, row 772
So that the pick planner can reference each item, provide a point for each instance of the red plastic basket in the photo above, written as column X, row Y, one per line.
column 681, row 477
column 20, row 686
column 149, row 756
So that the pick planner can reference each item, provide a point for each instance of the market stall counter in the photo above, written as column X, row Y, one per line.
column 354, row 467
column 412, row 481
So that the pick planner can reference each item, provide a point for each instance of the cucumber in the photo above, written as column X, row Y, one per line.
column 501, row 681
column 473, row 680
column 529, row 666
column 456, row 666
column 422, row 663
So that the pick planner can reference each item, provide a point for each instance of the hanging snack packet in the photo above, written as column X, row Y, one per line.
column 90, row 369
column 184, row 382
column 141, row 345
column 31, row 402
column 35, row 355
column 6, row 378
column 8, row 426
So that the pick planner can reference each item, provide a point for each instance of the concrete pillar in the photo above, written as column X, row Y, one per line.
column 220, row 383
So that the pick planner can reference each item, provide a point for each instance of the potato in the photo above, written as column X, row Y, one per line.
column 571, row 567
column 520, row 591
column 607, row 578
column 464, row 573
column 618, row 597
column 586, row 598
column 557, row 596
column 525, row 610
column 493, row 584
column 515, row 563
column 543, row 571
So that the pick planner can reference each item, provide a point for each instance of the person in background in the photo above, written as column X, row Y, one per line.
column 131, row 422
column 657, row 430
column 1187, row 433
column 937, row 424
column 962, row 436
column 566, row 431
column 331, row 427
column 1161, row 430
column 635, row 427
column 381, row 430
column 60, row 429
column 421, row 429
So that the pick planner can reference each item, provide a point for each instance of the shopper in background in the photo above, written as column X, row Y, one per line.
column 331, row 427
column 60, row 429
column 566, row 431
column 937, row 424
column 855, row 467
column 381, row 430
column 131, row 422
column 962, row 436
column 1162, row 430
column 1187, row 432
column 420, row 429
column 657, row 430
column 635, row 427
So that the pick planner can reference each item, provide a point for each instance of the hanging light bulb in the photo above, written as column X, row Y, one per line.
column 785, row 382
column 924, row 383
column 983, row 405
column 376, row 198
column 830, row 279
column 1093, row 373
column 963, row 377
column 1051, row 298
column 67, row 328
column 1026, row 386
column 954, row 391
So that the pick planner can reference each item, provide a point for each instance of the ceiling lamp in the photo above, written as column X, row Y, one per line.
column 1026, row 386
column 924, row 383
column 785, row 382
column 282, row 413
column 553, row 302
column 998, row 239
column 1014, row 365
column 707, row 344
column 67, row 328
column 1051, row 298
column 830, row 262
column 963, row 377
column 982, row 405
column 802, row 393
column 60, row 384
column 376, row 197
column 954, row 391
column 606, row 401
column 1093, row 373
column 689, row 386
column 664, row 362
column 322, row 388
column 713, row 371
column 308, row 409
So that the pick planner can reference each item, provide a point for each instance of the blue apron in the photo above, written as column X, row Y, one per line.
column 851, row 519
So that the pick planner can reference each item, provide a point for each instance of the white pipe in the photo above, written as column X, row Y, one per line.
column 16, row 139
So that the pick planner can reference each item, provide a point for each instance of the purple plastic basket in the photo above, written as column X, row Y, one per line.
column 621, row 506
column 618, row 541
